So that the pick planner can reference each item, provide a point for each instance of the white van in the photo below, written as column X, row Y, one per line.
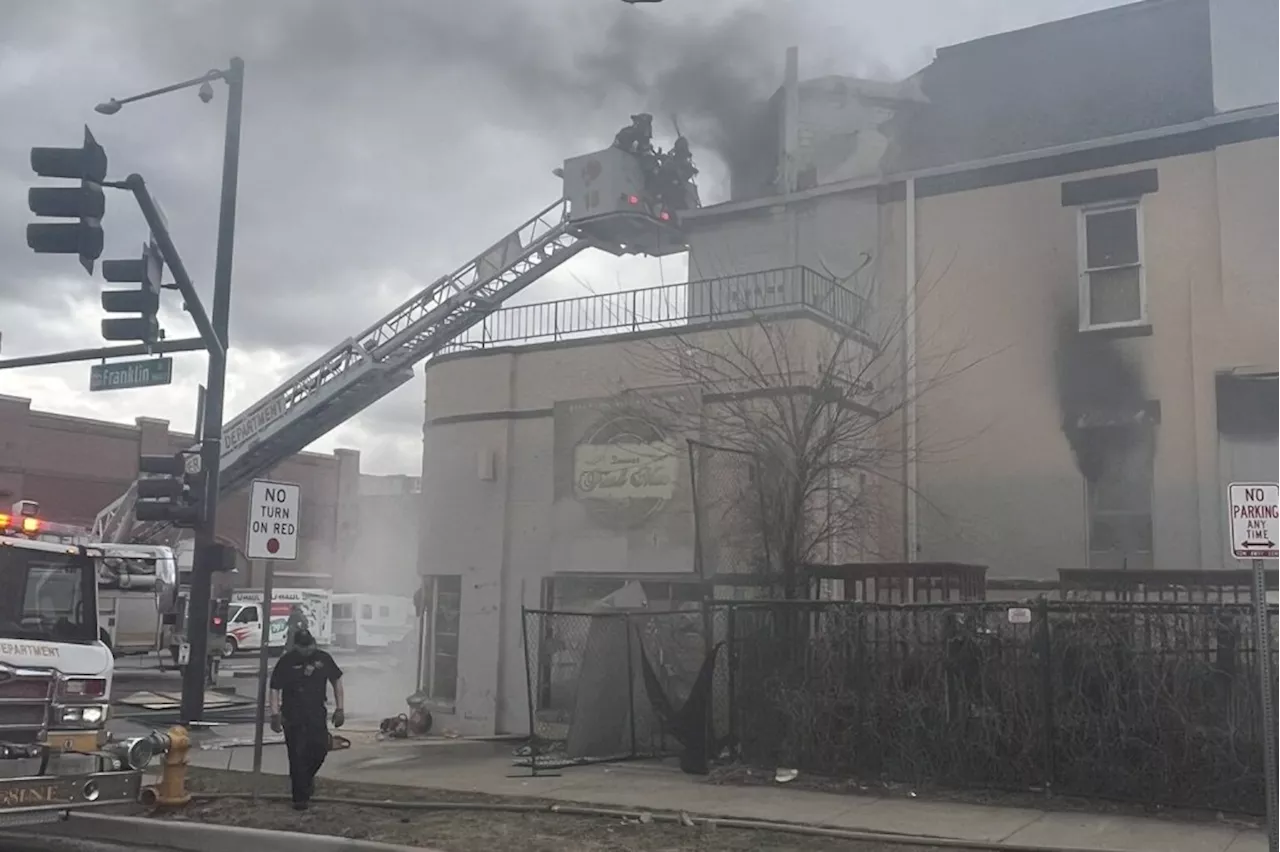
column 371, row 621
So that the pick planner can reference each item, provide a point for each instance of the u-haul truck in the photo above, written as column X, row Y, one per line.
column 246, row 619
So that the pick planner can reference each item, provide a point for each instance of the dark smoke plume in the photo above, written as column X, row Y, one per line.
column 538, row 64
column 714, row 78
column 1094, row 377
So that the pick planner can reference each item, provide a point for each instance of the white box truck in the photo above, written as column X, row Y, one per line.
column 372, row 621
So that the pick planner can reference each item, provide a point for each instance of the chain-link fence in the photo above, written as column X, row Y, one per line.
column 615, row 685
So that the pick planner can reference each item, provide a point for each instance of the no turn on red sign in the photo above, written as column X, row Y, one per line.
column 1255, row 520
column 273, row 520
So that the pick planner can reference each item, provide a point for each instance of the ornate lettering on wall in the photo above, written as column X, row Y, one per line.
column 625, row 470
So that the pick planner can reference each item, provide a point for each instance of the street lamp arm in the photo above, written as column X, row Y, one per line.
column 112, row 106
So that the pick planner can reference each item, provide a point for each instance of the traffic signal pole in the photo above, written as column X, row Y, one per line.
column 205, row 561
column 80, row 233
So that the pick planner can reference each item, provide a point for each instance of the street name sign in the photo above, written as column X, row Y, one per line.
column 273, row 520
column 131, row 374
column 1255, row 520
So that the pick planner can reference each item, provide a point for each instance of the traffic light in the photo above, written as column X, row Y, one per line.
column 146, row 272
column 87, row 164
column 167, row 492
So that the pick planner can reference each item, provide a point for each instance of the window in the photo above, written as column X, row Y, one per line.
column 444, row 606
column 342, row 612
column 366, row 611
column 1119, row 496
column 48, row 596
column 384, row 612
column 1113, row 289
column 247, row 615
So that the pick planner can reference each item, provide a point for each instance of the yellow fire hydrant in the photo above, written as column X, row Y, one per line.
column 171, row 792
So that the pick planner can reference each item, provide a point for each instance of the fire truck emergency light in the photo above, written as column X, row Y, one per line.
column 27, row 525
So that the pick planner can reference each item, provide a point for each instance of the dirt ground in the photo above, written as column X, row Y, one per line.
column 474, row 831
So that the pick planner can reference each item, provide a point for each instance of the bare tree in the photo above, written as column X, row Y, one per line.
column 817, row 406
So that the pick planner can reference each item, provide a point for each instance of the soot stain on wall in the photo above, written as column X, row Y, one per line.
column 1100, row 389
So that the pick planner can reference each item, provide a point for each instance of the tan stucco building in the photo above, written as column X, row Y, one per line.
column 1077, row 268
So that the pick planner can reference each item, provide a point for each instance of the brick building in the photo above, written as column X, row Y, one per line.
column 74, row 467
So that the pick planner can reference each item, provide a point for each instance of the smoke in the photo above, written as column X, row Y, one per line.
column 713, row 78
column 551, row 67
column 377, row 685
column 1093, row 376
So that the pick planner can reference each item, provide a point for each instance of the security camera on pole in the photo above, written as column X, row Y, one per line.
column 1255, row 535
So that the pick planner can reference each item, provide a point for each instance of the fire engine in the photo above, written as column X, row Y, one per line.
column 55, row 677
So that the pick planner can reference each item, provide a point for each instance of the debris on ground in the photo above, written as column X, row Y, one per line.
column 744, row 776
column 483, row 831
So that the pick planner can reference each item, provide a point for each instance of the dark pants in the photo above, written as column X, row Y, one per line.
column 307, row 742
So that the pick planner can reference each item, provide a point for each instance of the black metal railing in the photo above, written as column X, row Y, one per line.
column 669, row 306
column 1142, row 702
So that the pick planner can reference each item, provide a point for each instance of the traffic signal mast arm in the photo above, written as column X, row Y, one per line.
column 169, row 251
column 363, row 369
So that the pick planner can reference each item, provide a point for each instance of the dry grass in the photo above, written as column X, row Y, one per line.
column 472, row 831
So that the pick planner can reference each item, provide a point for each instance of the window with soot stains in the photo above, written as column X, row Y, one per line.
column 1119, row 497
column 1113, row 290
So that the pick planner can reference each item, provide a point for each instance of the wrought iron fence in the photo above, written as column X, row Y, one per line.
column 1141, row 702
column 668, row 306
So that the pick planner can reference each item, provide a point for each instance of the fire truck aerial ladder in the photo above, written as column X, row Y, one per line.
column 604, row 205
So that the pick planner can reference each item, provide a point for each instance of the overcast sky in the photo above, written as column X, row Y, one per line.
column 385, row 143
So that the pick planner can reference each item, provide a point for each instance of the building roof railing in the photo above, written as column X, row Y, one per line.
column 792, row 288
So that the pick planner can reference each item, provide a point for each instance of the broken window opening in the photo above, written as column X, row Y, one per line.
column 1119, row 496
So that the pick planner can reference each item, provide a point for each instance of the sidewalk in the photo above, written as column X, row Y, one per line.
column 486, row 768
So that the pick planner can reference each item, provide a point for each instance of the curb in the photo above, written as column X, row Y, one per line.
column 142, row 832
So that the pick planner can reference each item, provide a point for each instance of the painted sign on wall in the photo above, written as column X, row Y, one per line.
column 625, row 471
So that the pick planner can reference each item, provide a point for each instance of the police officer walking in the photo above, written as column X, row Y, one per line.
column 299, row 684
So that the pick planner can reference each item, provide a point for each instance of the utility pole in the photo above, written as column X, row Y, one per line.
column 208, row 555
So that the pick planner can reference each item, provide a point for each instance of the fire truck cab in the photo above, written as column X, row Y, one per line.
column 55, row 678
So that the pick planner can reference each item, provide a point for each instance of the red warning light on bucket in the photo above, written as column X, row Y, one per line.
column 633, row 199
column 664, row 216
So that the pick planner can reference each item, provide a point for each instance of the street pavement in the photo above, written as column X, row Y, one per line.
column 144, row 693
